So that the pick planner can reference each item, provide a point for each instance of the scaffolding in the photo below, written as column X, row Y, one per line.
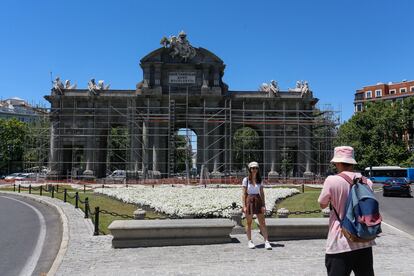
column 83, row 140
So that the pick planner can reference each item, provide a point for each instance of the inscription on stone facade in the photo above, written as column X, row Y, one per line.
column 182, row 77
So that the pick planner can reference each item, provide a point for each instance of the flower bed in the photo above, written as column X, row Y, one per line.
column 187, row 201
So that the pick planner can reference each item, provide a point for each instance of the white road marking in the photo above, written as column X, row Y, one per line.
column 31, row 263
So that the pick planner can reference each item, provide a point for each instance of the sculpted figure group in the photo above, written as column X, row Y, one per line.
column 59, row 87
column 94, row 88
column 180, row 46
column 273, row 87
column 301, row 87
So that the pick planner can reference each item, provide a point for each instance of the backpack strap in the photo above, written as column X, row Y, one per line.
column 351, row 182
column 336, row 213
column 346, row 177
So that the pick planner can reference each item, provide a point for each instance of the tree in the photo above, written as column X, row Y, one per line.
column 12, row 137
column 183, row 153
column 380, row 134
column 117, row 150
column 37, row 144
column 246, row 147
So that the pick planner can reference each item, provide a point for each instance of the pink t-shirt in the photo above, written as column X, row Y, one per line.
column 335, row 190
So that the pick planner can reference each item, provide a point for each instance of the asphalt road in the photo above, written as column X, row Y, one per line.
column 397, row 211
column 30, row 236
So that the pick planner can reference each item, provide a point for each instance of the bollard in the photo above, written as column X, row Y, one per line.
column 65, row 192
column 84, row 188
column 14, row 187
column 282, row 213
column 53, row 191
column 86, row 207
column 236, row 216
column 19, row 188
column 76, row 200
column 303, row 188
column 139, row 214
column 96, row 222
column 41, row 190
column 30, row 188
column 103, row 186
column 57, row 188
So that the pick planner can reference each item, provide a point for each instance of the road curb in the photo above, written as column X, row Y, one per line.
column 65, row 229
column 398, row 230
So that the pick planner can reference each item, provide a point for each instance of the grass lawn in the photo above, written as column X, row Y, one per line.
column 307, row 201
column 95, row 200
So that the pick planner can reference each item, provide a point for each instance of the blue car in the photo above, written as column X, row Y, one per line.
column 396, row 186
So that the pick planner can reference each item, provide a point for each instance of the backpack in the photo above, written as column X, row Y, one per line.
column 361, row 220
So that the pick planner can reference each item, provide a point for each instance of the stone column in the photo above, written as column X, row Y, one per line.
column 216, row 76
column 136, row 147
column 157, row 74
column 135, row 130
column 217, row 139
column 147, row 76
column 90, row 150
column 54, row 150
column 155, row 170
column 145, row 159
column 273, row 150
column 307, row 147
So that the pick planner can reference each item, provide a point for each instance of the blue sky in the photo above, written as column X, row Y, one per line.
column 338, row 46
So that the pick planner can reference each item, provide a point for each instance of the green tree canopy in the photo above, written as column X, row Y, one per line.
column 247, row 147
column 12, row 139
column 183, row 153
column 380, row 134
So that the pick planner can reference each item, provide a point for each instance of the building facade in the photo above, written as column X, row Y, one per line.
column 19, row 109
column 182, row 87
column 381, row 92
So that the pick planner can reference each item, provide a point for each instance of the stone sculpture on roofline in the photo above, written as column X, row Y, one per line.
column 301, row 87
column 272, row 88
column 95, row 88
column 180, row 46
column 59, row 88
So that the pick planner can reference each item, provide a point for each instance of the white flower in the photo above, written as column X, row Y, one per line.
column 189, row 200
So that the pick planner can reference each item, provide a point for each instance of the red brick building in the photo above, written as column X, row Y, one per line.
column 382, row 91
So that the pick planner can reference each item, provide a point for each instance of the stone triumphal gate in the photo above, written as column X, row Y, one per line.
column 182, row 87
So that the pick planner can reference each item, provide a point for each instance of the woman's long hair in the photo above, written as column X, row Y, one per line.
column 258, row 177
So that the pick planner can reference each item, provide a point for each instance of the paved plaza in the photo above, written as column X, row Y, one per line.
column 93, row 255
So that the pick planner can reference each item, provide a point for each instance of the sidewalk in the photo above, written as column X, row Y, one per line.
column 93, row 255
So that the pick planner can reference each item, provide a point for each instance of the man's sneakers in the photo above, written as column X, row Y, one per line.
column 251, row 245
column 268, row 246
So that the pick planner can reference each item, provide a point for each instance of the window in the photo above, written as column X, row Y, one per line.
column 378, row 93
column 392, row 91
column 368, row 94
column 359, row 107
column 412, row 88
column 403, row 90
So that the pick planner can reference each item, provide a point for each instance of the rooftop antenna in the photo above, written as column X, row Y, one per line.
column 51, row 78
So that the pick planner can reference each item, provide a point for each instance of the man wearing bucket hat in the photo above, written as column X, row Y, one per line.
column 253, row 199
column 342, row 255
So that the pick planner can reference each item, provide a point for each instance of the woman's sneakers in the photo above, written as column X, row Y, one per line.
column 267, row 245
column 251, row 245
